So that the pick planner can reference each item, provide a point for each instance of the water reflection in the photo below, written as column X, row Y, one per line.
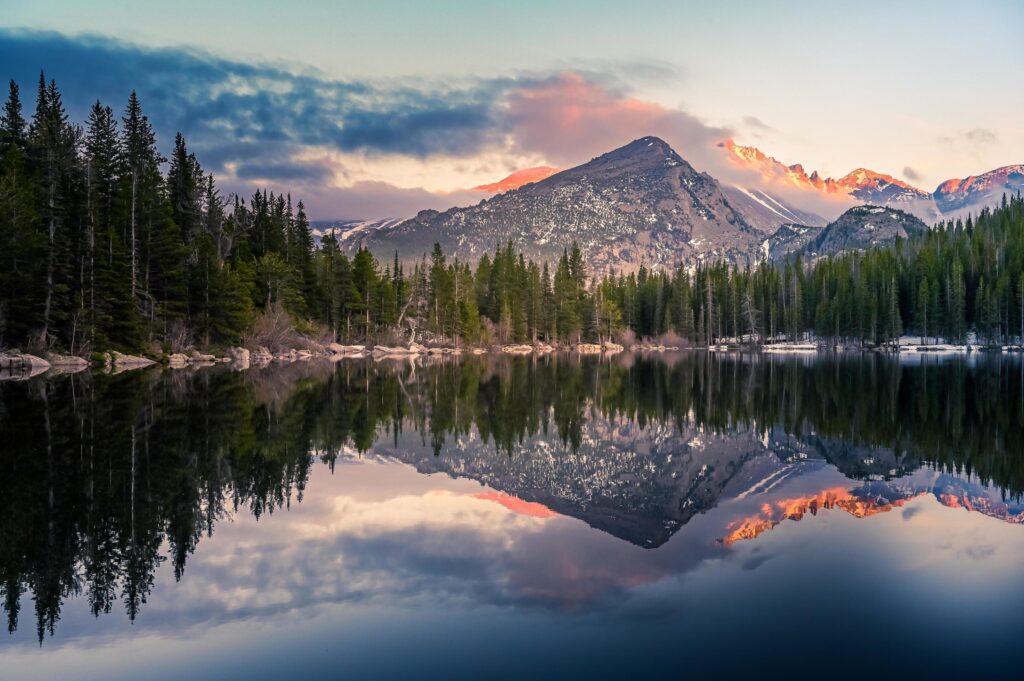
column 104, row 478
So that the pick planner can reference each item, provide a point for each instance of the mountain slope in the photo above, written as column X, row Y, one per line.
column 639, row 204
column 951, row 198
column 861, row 185
column 768, row 212
column 859, row 228
column 978, row 191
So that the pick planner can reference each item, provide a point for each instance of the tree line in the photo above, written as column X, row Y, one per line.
column 964, row 276
column 101, row 248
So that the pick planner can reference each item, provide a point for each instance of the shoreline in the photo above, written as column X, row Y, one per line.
column 19, row 366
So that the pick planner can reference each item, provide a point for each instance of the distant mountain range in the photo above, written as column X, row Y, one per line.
column 867, row 186
column 643, row 204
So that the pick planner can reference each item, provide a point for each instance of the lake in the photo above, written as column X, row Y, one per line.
column 687, row 515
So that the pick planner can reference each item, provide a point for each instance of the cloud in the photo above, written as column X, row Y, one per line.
column 911, row 174
column 348, row 146
column 380, row 199
column 571, row 119
column 757, row 124
column 974, row 138
column 254, row 118
column 980, row 136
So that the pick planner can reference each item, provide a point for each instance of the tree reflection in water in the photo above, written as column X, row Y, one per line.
column 102, row 478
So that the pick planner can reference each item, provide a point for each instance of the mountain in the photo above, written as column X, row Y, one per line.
column 639, row 204
column 768, row 212
column 638, row 483
column 788, row 240
column 346, row 230
column 979, row 190
column 859, row 228
column 643, row 483
column 518, row 179
column 877, row 188
column 861, row 184
column 952, row 197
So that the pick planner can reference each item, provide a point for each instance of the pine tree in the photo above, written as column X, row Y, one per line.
column 12, row 122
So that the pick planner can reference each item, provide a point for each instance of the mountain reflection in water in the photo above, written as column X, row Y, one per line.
column 103, row 479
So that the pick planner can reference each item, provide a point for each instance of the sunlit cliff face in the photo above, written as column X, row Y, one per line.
column 796, row 508
column 518, row 179
column 774, row 172
column 983, row 182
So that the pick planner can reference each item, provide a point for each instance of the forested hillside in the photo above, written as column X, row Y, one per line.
column 100, row 248
column 104, row 243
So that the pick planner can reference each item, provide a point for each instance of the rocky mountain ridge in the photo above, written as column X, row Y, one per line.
column 639, row 204
column 949, row 199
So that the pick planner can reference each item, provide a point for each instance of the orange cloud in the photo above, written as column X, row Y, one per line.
column 571, row 119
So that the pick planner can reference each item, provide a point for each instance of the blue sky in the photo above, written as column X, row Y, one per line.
column 369, row 106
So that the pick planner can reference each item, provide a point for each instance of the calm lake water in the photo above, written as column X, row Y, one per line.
column 682, row 516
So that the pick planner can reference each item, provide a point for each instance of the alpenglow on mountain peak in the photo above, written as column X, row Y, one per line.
column 639, row 204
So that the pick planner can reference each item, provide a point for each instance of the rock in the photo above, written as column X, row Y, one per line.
column 478, row 351
column 517, row 349
column 612, row 348
column 197, row 356
column 21, row 366
column 66, row 360
column 239, row 354
column 338, row 349
column 398, row 351
column 588, row 348
column 21, row 360
column 119, row 359
column 178, row 360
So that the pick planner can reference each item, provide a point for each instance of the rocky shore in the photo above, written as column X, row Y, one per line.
column 17, row 365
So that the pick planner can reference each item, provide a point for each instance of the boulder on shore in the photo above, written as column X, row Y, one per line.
column 588, row 348
column 123, row 361
column 178, row 360
column 239, row 354
column 339, row 350
column 197, row 356
column 16, row 365
column 517, row 349
column 399, row 350
column 66, row 360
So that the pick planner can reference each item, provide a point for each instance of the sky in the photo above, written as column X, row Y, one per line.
column 384, row 108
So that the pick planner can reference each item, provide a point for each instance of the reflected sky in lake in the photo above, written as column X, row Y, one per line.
column 639, row 517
